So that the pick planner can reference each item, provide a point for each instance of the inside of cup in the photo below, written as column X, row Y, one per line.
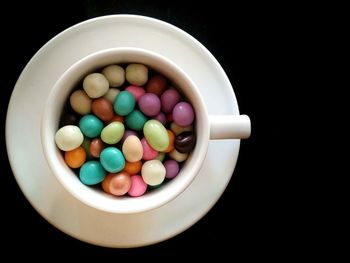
column 94, row 195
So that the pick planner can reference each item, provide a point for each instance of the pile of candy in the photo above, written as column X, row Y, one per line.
column 126, row 130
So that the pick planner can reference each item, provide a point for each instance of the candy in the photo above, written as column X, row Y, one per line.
column 75, row 158
column 138, row 186
column 96, row 146
column 113, row 132
column 136, row 74
column 116, row 118
column 95, row 85
column 169, row 99
column 185, row 142
column 153, row 172
column 117, row 184
column 160, row 156
column 80, row 102
column 183, row 114
column 90, row 126
column 178, row 129
column 107, row 145
column 156, row 135
column 161, row 117
column 69, row 118
column 115, row 75
column 124, row 103
column 149, row 104
column 156, row 84
column 68, row 138
column 135, row 120
column 148, row 152
column 86, row 146
column 102, row 108
column 136, row 91
column 133, row 168
column 172, row 168
column 177, row 156
column 92, row 173
column 112, row 159
column 111, row 94
column 132, row 149
column 171, row 141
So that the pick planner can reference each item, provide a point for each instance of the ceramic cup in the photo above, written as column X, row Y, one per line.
column 207, row 127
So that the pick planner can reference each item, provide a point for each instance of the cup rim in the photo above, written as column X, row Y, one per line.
column 99, row 199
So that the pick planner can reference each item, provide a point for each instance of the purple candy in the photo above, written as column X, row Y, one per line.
column 169, row 99
column 172, row 168
column 183, row 114
column 149, row 104
column 161, row 117
column 126, row 134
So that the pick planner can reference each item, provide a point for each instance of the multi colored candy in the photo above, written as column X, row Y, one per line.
column 127, row 130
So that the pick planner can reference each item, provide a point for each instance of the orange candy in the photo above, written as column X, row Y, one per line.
column 75, row 158
column 171, row 141
column 117, row 184
column 133, row 168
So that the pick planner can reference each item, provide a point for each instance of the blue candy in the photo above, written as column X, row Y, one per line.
column 92, row 173
column 91, row 126
column 112, row 159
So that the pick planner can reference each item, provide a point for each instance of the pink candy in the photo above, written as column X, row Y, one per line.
column 148, row 152
column 138, row 186
column 136, row 91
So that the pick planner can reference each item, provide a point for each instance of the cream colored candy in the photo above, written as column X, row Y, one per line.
column 132, row 149
column 115, row 75
column 80, row 102
column 111, row 94
column 153, row 172
column 69, row 137
column 95, row 85
column 178, row 129
column 177, row 156
column 136, row 74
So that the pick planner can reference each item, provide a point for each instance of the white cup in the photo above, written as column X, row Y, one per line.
column 207, row 127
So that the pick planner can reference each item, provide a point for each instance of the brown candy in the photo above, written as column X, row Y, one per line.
column 102, row 108
column 185, row 142
column 96, row 147
column 157, row 84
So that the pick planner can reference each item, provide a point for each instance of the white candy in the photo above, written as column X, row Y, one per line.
column 69, row 137
column 80, row 102
column 115, row 75
column 153, row 172
column 177, row 156
column 136, row 74
column 111, row 94
column 132, row 149
column 95, row 85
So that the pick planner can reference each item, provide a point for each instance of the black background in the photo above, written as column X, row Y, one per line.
column 249, row 43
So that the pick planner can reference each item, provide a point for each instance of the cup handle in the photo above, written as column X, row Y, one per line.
column 229, row 127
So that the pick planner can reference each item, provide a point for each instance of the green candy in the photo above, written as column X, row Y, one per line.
column 92, row 173
column 160, row 156
column 124, row 103
column 113, row 132
column 156, row 135
column 86, row 146
column 135, row 120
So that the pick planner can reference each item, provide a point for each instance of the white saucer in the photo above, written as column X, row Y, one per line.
column 40, row 186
